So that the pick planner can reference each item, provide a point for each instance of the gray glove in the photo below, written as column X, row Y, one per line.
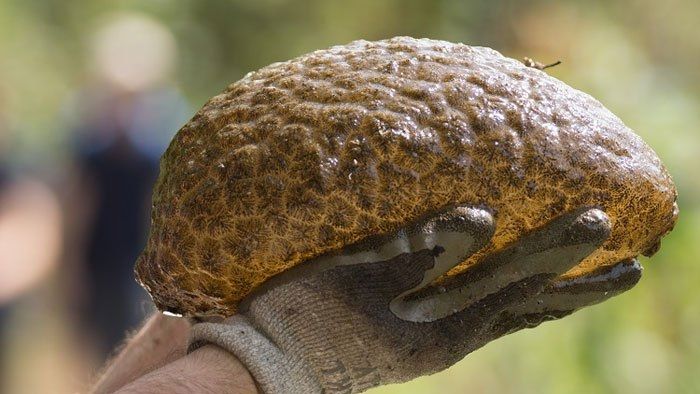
column 365, row 316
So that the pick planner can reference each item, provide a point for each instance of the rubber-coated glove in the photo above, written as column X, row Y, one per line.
column 365, row 316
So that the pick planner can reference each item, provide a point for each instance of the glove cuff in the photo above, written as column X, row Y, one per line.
column 274, row 371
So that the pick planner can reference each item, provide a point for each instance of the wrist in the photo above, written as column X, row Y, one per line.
column 208, row 369
column 160, row 341
column 222, row 369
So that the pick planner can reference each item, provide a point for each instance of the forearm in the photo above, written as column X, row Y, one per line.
column 161, row 340
column 207, row 370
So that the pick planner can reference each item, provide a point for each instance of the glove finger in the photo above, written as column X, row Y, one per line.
column 567, row 295
column 456, row 233
column 453, row 236
column 544, row 254
column 450, row 237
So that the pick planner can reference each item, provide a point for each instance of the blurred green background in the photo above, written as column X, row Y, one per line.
column 640, row 58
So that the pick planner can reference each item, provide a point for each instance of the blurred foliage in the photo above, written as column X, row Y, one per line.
column 640, row 58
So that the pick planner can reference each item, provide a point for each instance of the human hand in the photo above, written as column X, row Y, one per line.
column 365, row 315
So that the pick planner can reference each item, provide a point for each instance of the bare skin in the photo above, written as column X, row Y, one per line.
column 154, row 361
column 206, row 370
column 161, row 340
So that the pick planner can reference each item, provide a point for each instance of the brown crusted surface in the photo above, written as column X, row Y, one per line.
column 305, row 156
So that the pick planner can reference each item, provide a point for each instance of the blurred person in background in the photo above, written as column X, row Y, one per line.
column 122, row 122
column 30, row 238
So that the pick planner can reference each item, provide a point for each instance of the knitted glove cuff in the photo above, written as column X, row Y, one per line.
column 274, row 372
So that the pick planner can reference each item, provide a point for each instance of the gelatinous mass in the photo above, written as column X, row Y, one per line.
column 303, row 157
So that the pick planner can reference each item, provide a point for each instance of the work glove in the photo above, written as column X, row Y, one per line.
column 366, row 316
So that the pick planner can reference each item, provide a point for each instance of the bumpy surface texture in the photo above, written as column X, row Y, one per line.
column 303, row 157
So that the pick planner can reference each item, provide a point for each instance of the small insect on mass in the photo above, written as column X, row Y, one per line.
column 537, row 65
